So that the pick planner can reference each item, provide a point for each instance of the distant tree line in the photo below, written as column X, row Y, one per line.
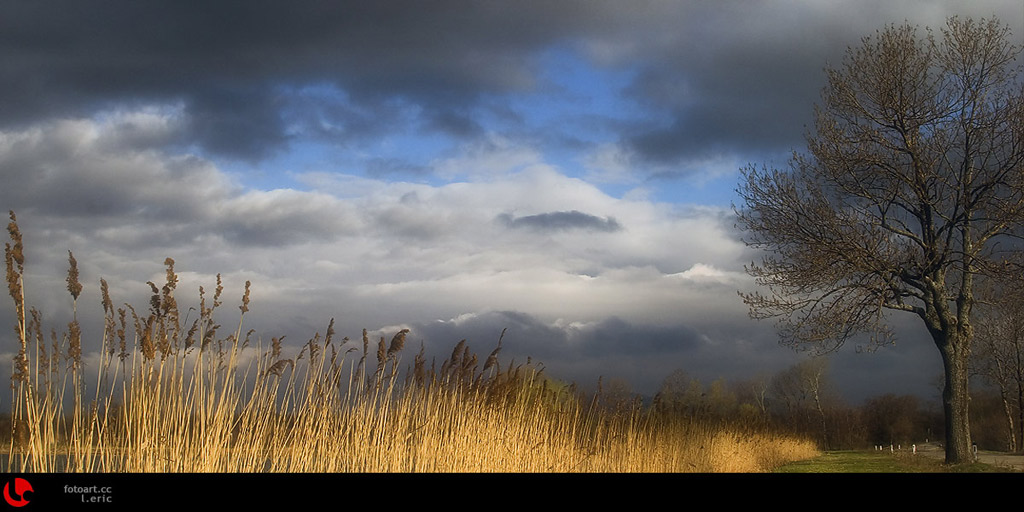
column 803, row 400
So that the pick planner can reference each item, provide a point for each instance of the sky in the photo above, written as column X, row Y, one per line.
column 563, row 170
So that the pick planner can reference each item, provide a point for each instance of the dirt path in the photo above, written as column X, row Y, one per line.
column 998, row 459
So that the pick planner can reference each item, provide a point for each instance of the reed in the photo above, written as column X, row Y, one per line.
column 174, row 396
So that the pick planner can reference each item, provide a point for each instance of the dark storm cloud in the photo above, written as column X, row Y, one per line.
column 227, row 61
column 722, row 76
column 383, row 167
column 748, row 98
column 242, row 121
column 561, row 221
column 742, row 77
column 614, row 336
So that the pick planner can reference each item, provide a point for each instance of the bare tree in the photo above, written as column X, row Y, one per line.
column 802, row 388
column 914, row 173
column 757, row 390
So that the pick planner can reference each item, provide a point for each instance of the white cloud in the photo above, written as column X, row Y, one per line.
column 395, row 253
column 421, row 251
column 703, row 272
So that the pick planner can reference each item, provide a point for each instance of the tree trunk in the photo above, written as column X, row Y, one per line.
column 955, row 400
column 821, row 411
column 1020, row 416
column 1010, row 429
column 1019, row 374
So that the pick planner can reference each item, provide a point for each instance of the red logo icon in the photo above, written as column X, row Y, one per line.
column 21, row 486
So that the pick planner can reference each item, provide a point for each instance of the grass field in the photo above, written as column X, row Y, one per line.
column 169, row 395
column 881, row 462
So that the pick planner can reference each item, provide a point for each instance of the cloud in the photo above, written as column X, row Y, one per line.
column 114, row 178
column 113, row 175
column 78, row 168
column 227, row 65
column 283, row 217
column 561, row 221
column 741, row 78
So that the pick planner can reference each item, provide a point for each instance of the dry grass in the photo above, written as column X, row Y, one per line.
column 176, row 397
